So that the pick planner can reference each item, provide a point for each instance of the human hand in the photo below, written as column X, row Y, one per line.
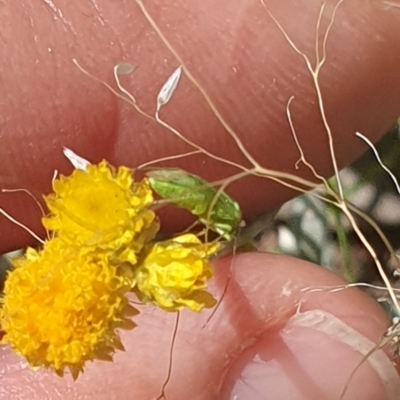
column 250, row 71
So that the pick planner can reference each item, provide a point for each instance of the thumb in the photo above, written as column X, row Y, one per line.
column 307, row 352
column 255, row 347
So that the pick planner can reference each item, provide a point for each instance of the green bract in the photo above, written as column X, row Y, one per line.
column 213, row 207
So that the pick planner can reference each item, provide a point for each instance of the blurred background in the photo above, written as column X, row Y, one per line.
column 315, row 231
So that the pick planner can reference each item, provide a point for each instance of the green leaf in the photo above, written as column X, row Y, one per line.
column 213, row 207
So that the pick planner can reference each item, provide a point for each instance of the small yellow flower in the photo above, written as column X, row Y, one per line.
column 61, row 308
column 102, row 209
column 174, row 274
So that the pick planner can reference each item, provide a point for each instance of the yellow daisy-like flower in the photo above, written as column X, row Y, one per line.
column 61, row 308
column 102, row 209
column 174, row 274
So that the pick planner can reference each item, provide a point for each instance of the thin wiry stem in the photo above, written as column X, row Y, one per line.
column 378, row 159
column 21, row 225
column 199, row 87
column 168, row 158
column 29, row 194
column 171, row 353
column 196, row 146
column 314, row 71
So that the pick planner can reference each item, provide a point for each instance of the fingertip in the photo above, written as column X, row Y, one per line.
column 315, row 356
column 305, row 344
column 274, row 284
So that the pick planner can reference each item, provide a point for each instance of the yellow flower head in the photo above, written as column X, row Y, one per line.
column 102, row 209
column 61, row 308
column 174, row 274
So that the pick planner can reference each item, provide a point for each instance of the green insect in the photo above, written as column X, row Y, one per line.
column 214, row 208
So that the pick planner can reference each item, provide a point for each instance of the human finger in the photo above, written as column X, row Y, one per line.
column 239, row 57
column 261, row 344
